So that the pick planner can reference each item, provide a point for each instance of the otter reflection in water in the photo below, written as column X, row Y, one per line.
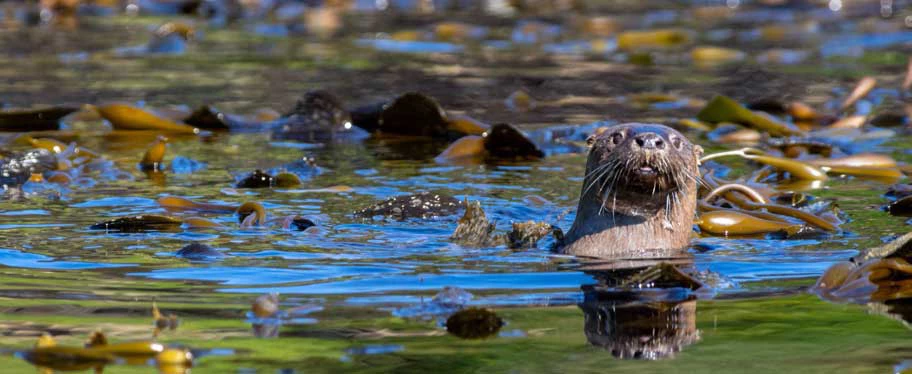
column 638, row 196
column 635, row 323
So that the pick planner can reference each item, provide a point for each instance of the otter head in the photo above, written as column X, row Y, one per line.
column 637, row 169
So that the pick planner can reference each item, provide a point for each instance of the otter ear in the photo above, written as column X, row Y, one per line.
column 698, row 152
column 590, row 140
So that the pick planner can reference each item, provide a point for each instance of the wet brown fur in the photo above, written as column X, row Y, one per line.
column 636, row 201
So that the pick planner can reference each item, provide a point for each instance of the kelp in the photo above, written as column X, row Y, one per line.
column 795, row 168
column 98, row 353
column 126, row 117
column 180, row 203
column 733, row 223
column 725, row 109
column 251, row 214
column 663, row 38
column 864, row 86
column 153, row 159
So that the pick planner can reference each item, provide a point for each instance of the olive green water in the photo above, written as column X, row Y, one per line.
column 364, row 273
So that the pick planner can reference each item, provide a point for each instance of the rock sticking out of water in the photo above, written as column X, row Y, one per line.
column 423, row 205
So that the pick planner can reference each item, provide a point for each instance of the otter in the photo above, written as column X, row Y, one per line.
column 638, row 196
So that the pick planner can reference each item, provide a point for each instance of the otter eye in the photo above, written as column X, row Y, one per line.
column 676, row 142
column 617, row 138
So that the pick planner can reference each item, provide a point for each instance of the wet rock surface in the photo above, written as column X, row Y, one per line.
column 423, row 205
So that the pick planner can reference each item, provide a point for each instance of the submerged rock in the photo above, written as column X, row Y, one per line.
column 422, row 205
column 199, row 251
column 474, row 323
column 447, row 301
column 318, row 117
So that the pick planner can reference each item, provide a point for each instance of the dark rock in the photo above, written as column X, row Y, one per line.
column 504, row 141
column 423, row 205
column 208, row 118
column 413, row 114
column 33, row 120
column 141, row 223
column 474, row 323
column 474, row 230
column 527, row 234
column 257, row 179
column 301, row 223
column 318, row 117
column 199, row 251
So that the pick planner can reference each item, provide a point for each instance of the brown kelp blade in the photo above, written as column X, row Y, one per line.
column 796, row 169
column 126, row 117
column 864, row 86
column 663, row 38
column 724, row 109
column 733, row 223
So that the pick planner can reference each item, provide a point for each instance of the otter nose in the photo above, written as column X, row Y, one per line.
column 649, row 140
